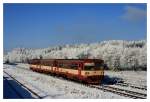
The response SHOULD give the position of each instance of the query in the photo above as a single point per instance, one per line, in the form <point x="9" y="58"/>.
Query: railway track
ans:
<point x="119" y="91"/>
<point x="132" y="86"/>
<point x="36" y="95"/>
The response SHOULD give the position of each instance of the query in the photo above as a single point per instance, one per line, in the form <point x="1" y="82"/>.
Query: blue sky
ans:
<point x="44" y="25"/>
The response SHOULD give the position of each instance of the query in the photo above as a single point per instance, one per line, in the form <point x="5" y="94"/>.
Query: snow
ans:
<point x="52" y="87"/>
<point x="135" y="77"/>
<point x="24" y="65"/>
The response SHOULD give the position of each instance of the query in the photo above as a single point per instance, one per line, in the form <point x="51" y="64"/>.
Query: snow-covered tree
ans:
<point x="117" y="54"/>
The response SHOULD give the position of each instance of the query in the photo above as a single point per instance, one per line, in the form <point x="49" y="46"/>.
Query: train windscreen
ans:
<point x="92" y="66"/>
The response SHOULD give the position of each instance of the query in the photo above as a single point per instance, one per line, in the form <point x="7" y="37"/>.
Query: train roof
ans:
<point x="77" y="60"/>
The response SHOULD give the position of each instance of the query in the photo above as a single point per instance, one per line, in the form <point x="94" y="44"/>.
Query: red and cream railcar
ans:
<point x="85" y="70"/>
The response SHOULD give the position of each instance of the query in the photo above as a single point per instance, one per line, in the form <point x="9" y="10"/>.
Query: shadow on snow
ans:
<point x="12" y="90"/>
<point x="107" y="80"/>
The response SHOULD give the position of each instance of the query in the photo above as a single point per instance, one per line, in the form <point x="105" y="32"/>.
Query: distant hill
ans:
<point x="117" y="54"/>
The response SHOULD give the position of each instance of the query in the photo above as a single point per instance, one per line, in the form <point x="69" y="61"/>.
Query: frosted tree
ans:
<point x="117" y="54"/>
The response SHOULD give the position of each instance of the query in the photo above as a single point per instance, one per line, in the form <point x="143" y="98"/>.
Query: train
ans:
<point x="89" y="71"/>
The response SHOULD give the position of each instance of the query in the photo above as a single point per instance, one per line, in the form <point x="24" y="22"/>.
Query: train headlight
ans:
<point x="86" y="73"/>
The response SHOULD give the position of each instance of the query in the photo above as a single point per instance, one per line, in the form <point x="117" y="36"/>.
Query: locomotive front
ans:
<point x="93" y="71"/>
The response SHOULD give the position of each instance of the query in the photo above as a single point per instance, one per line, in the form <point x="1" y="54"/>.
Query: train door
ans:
<point x="55" y="66"/>
<point x="79" y="69"/>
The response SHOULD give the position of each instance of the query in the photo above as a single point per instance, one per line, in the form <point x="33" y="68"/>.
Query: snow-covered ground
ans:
<point x="53" y="87"/>
<point x="134" y="77"/>
<point x="23" y="65"/>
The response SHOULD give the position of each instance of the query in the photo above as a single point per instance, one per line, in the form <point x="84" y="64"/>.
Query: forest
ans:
<point x="117" y="54"/>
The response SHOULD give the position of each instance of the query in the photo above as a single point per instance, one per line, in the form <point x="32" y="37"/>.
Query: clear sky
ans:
<point x="44" y="25"/>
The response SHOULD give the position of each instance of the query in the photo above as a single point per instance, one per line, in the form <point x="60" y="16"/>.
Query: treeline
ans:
<point x="117" y="54"/>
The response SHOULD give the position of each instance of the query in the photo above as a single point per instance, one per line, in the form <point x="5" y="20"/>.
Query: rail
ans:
<point x="119" y="91"/>
<point x="132" y="85"/>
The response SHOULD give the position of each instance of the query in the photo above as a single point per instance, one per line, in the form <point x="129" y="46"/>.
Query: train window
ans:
<point x="46" y="63"/>
<point x="65" y="66"/>
<point x="50" y="64"/>
<point x="93" y="66"/>
<point x="98" y="66"/>
<point x="74" y="66"/>
<point x="42" y="62"/>
<point x="89" y="68"/>
<point x="60" y="65"/>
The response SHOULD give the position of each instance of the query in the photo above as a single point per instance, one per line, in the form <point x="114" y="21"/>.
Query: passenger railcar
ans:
<point x="89" y="71"/>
